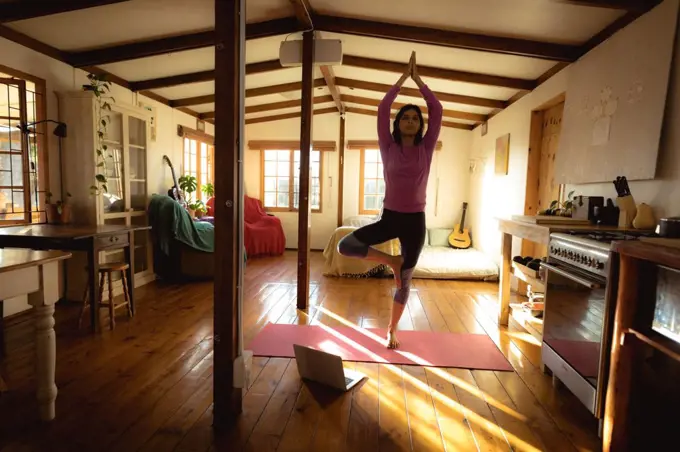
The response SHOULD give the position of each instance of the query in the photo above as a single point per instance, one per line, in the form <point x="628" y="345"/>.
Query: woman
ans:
<point x="406" y="155"/>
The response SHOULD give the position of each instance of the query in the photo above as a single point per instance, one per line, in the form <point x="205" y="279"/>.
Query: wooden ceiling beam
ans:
<point x="21" y="10"/>
<point x="411" y="92"/>
<point x="626" y="5"/>
<point x="446" y="38"/>
<point x="295" y="114"/>
<point x="374" y="113"/>
<point x="329" y="78"/>
<point x="444" y="74"/>
<point x="153" y="47"/>
<point x="202" y="76"/>
<point x="454" y="114"/>
<point x="303" y="12"/>
<point x="273" y="106"/>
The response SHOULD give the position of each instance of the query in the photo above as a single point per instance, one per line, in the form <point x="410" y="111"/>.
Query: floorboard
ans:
<point x="147" y="385"/>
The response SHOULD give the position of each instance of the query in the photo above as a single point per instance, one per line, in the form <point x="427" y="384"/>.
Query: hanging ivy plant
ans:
<point x="101" y="88"/>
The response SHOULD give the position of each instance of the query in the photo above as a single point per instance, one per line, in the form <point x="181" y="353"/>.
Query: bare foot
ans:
<point x="392" y="341"/>
<point x="397" y="264"/>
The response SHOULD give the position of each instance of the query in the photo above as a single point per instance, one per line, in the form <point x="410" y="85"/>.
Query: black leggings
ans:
<point x="409" y="228"/>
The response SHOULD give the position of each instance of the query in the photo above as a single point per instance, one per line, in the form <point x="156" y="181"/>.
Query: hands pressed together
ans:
<point x="411" y="71"/>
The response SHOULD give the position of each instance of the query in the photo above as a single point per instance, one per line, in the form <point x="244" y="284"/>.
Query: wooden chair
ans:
<point x="106" y="274"/>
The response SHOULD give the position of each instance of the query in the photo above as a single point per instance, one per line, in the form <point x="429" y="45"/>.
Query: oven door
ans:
<point x="574" y="320"/>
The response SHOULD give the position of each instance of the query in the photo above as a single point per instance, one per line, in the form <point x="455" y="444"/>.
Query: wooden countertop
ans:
<point x="66" y="231"/>
<point x="16" y="258"/>
<point x="540" y="233"/>
<point x="656" y="252"/>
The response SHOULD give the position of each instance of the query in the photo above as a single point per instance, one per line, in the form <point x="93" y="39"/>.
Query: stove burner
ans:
<point x="607" y="237"/>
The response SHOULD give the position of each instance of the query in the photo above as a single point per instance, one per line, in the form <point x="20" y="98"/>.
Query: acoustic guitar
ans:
<point x="176" y="193"/>
<point x="460" y="237"/>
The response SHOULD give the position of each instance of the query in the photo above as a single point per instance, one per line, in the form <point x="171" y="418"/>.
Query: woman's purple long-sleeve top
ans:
<point x="406" y="170"/>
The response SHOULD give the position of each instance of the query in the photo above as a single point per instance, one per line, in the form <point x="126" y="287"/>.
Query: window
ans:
<point x="281" y="182"/>
<point x="23" y="156"/>
<point x="372" y="188"/>
<point x="199" y="153"/>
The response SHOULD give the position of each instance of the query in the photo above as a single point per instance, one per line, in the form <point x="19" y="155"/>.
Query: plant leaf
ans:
<point x="100" y="164"/>
<point x="554" y="204"/>
<point x="100" y="178"/>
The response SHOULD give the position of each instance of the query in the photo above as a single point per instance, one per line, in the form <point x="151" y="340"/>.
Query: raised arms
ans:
<point x="385" y="108"/>
<point x="434" y="108"/>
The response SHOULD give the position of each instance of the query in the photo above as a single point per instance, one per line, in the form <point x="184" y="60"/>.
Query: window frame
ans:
<point x="362" y="181"/>
<point x="38" y="215"/>
<point x="291" y="185"/>
<point x="200" y="138"/>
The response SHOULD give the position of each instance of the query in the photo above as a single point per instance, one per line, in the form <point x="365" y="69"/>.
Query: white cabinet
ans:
<point x="125" y="167"/>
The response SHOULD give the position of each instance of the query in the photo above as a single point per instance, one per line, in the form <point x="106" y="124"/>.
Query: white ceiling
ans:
<point x="545" y="20"/>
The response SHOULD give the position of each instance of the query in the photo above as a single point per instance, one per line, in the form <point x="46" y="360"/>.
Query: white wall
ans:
<point x="500" y="196"/>
<point x="450" y="167"/>
<point x="61" y="77"/>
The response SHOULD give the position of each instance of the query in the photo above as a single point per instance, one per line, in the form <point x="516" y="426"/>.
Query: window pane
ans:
<point x="270" y="199"/>
<point x="370" y="186"/>
<point x="380" y="170"/>
<point x="381" y="186"/>
<point x="270" y="155"/>
<point x="270" y="168"/>
<point x="283" y="200"/>
<point x="371" y="170"/>
<point x="283" y="156"/>
<point x="283" y="169"/>
<point x="283" y="184"/>
<point x="370" y="203"/>
<point x="297" y="156"/>
<point x="316" y="156"/>
<point x="269" y="184"/>
<point x="371" y="155"/>
<point x="316" y="169"/>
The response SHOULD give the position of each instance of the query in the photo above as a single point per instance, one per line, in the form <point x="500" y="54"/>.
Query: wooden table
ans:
<point x="537" y="233"/>
<point x="36" y="273"/>
<point x="91" y="239"/>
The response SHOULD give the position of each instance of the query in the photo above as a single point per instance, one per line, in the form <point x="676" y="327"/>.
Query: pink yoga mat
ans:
<point x="420" y="348"/>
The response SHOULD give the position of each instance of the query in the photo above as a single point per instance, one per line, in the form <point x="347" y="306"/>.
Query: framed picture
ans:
<point x="502" y="154"/>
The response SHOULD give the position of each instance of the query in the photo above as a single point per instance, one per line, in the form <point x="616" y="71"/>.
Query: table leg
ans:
<point x="3" y="386"/>
<point x="130" y="272"/>
<point x="504" y="283"/>
<point x="93" y="282"/>
<point x="45" y="341"/>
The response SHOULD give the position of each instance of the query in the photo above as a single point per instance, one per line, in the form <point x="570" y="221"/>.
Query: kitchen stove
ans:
<point x="581" y="277"/>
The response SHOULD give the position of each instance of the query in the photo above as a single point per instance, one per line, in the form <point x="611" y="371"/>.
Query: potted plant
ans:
<point x="58" y="212"/>
<point x="199" y="208"/>
<point x="188" y="184"/>
<point x="101" y="88"/>
<point x="209" y="190"/>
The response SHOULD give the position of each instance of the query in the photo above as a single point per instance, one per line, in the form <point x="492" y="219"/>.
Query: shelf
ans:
<point x="137" y="180"/>
<point x="136" y="146"/>
<point x="531" y="324"/>
<point x="529" y="276"/>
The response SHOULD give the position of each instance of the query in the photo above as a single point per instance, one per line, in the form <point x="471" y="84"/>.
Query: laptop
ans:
<point x="325" y="368"/>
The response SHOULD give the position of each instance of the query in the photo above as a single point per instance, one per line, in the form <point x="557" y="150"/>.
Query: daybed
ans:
<point x="437" y="261"/>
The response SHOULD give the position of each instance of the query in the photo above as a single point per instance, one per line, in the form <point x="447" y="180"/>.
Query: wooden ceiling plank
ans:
<point x="446" y="38"/>
<point x="161" y="46"/>
<point x="303" y="12"/>
<point x="444" y="74"/>
<point x="626" y="5"/>
<point x="295" y="114"/>
<point x="374" y="113"/>
<point x="411" y="92"/>
<point x="397" y="105"/>
<point x="22" y="10"/>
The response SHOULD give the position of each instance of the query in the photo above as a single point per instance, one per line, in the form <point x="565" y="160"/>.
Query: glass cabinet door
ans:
<point x="114" y="200"/>
<point x="137" y="163"/>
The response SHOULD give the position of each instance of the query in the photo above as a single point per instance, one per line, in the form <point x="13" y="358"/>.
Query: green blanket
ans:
<point x="170" y="221"/>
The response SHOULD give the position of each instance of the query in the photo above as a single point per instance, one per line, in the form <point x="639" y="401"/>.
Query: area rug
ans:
<point x="418" y="348"/>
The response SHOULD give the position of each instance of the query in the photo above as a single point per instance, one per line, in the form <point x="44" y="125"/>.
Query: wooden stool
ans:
<point x="106" y="273"/>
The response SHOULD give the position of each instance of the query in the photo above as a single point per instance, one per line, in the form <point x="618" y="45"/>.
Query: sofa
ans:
<point x="182" y="248"/>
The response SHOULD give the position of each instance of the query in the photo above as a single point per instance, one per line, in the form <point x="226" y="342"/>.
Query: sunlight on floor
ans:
<point x="476" y="419"/>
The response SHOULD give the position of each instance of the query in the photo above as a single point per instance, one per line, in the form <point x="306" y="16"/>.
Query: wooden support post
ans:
<point x="304" y="217"/>
<point x="229" y="73"/>
<point x="504" y="283"/>
<point x="341" y="170"/>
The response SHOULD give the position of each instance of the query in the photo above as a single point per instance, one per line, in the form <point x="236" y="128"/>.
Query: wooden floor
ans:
<point x="148" y="384"/>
